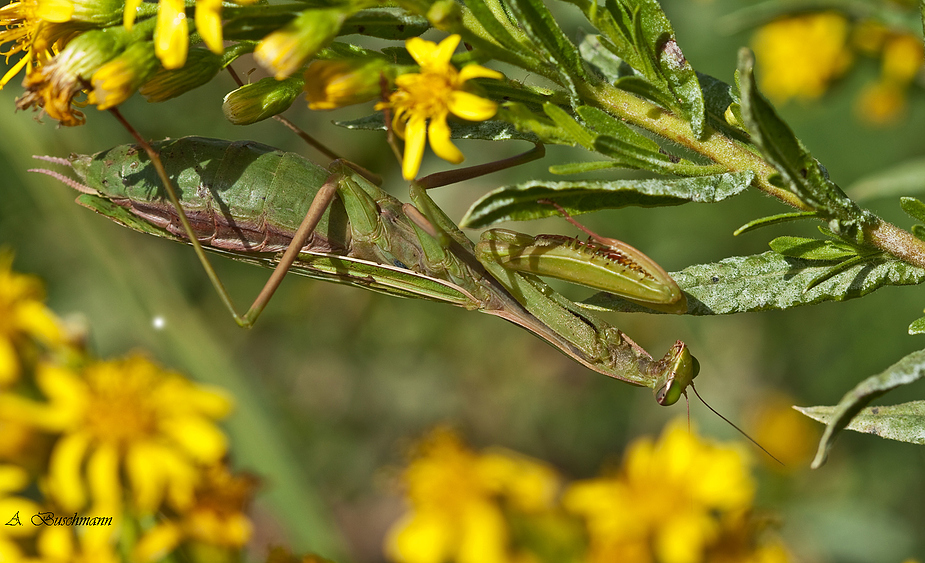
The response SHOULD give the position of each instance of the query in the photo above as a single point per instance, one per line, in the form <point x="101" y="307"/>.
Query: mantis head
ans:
<point x="678" y="370"/>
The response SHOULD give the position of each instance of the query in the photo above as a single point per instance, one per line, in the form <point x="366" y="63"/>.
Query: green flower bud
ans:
<point x="201" y="66"/>
<point x="262" y="99"/>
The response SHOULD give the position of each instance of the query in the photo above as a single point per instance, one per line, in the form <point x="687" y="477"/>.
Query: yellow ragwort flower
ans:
<point x="15" y="512"/>
<point x="216" y="516"/>
<point x="24" y="319"/>
<point x="456" y="498"/>
<point x="423" y="102"/>
<point x="668" y="502"/>
<point x="335" y="84"/>
<point x="93" y="544"/>
<point x="124" y="417"/>
<point x="171" y="36"/>
<point x="800" y="56"/>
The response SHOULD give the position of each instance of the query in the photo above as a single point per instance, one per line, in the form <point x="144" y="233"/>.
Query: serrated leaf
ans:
<point x="799" y="172"/>
<point x="913" y="208"/>
<point x="812" y="249"/>
<point x="519" y="202"/>
<point x="905" y="178"/>
<point x="491" y="130"/>
<point x="904" y="422"/>
<point x="770" y="282"/>
<point x="905" y="371"/>
<point x="917" y="326"/>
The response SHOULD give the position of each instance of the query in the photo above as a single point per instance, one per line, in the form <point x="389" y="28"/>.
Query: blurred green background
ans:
<point x="334" y="383"/>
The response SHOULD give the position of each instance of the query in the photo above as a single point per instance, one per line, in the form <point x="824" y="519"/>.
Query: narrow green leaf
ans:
<point x="519" y="202"/>
<point x="919" y="231"/>
<point x="543" y="30"/>
<point x="586" y="166"/>
<point x="634" y="156"/>
<point x="798" y="170"/>
<point x="905" y="178"/>
<point x="812" y="249"/>
<point x="917" y="326"/>
<point x="385" y="23"/>
<point x="906" y="371"/>
<point x="770" y="282"/>
<point x="492" y="130"/>
<point x="491" y="21"/>
<point x="913" y="208"/>
<point x="904" y="422"/>
<point x="574" y="130"/>
<point x="774" y="220"/>
<point x="605" y="124"/>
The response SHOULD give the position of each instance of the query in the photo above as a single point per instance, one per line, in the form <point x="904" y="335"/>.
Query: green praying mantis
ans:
<point x="260" y="205"/>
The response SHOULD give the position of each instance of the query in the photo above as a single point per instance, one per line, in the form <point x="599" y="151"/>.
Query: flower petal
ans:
<point x="197" y="437"/>
<point x="103" y="475"/>
<point x="208" y="20"/>
<point x="158" y="542"/>
<point x="471" y="107"/>
<point x="171" y="37"/>
<point x="65" y="481"/>
<point x="415" y="139"/>
<point x="439" y="133"/>
<point x="478" y="71"/>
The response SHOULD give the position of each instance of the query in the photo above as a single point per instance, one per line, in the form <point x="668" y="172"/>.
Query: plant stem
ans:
<point x="738" y="158"/>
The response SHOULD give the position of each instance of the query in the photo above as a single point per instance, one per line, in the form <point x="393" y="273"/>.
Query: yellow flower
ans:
<point x="54" y="86"/>
<point x="15" y="512"/>
<point x="800" y="56"/>
<point x="118" y="79"/>
<point x="125" y="417"/>
<point x="782" y="430"/>
<point x="286" y="50"/>
<point x="457" y="498"/>
<point x="94" y="544"/>
<point x="668" y="502"/>
<point x="208" y="20"/>
<point x="335" y="84"/>
<point x="23" y="317"/>
<point x="902" y="58"/>
<point x="171" y="36"/>
<point x="423" y="102"/>
<point x="216" y="516"/>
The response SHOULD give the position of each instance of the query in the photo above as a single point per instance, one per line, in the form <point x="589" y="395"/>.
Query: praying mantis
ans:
<point x="253" y="202"/>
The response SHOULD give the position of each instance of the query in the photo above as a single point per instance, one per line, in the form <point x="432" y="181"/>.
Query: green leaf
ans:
<point x="569" y="126"/>
<point x="812" y="249"/>
<point x="491" y="21"/>
<point x="904" y="422"/>
<point x="585" y="166"/>
<point x="919" y="231"/>
<point x="491" y="130"/>
<point x="770" y="282"/>
<point x="799" y="171"/>
<point x="542" y="28"/>
<point x="519" y="202"/>
<point x="913" y="208"/>
<point x="605" y="124"/>
<point x="773" y="220"/>
<point x="917" y="326"/>
<point x="385" y="23"/>
<point x="904" y="179"/>
<point x="905" y="371"/>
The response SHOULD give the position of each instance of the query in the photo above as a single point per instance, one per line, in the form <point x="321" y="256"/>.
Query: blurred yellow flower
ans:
<point x="171" y="36"/>
<point x="782" y="430"/>
<point x="125" y="417"/>
<point x="23" y="317"/>
<point x="423" y="102"/>
<point x="667" y="504"/>
<point x="15" y="512"/>
<point x="458" y="500"/>
<point x="285" y="51"/>
<point x="800" y="56"/>
<point x="216" y="516"/>
<point x="94" y="544"/>
<point x="335" y="84"/>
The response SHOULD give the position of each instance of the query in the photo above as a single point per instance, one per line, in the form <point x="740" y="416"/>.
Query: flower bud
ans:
<point x="283" y="52"/>
<point x="262" y="99"/>
<point x="103" y="13"/>
<point x="117" y="80"/>
<point x="201" y="67"/>
<point x="335" y="84"/>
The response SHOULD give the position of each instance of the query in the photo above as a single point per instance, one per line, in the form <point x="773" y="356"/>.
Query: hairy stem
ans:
<point x="737" y="158"/>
